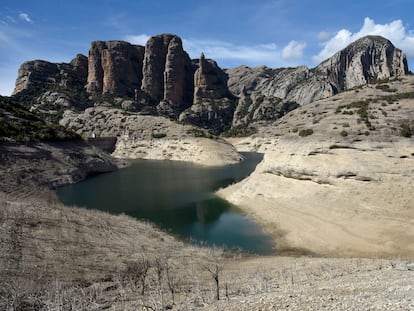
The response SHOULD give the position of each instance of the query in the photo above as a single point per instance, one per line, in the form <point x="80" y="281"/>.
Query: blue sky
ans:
<point x="276" y="33"/>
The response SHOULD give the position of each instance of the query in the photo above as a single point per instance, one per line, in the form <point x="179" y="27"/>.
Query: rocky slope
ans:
<point x="151" y="137"/>
<point x="161" y="79"/>
<point x="337" y="174"/>
<point x="366" y="60"/>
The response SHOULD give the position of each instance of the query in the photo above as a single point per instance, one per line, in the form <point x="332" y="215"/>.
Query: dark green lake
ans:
<point x="178" y="197"/>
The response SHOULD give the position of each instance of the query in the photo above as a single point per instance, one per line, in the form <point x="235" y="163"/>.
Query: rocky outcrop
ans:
<point x="167" y="74"/>
<point x="39" y="74"/>
<point x="161" y="79"/>
<point x="255" y="107"/>
<point x="210" y="82"/>
<point x="114" y="67"/>
<point x="213" y="104"/>
<point x="368" y="59"/>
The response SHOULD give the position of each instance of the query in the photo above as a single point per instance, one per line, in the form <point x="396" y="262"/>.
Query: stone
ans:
<point x="210" y="82"/>
<point x="114" y="67"/>
<point x="368" y="59"/>
<point x="38" y="75"/>
<point x="213" y="105"/>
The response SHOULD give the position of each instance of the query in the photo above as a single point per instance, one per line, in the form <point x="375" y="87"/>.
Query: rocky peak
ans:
<point x="210" y="81"/>
<point x="114" y="67"/>
<point x="80" y="65"/>
<point x="39" y="74"/>
<point x="367" y="59"/>
<point x="213" y="104"/>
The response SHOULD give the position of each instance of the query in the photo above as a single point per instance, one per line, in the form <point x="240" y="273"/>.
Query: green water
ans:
<point x="178" y="197"/>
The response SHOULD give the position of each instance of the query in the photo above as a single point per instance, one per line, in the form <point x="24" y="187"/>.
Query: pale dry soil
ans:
<point x="333" y="197"/>
<point x="344" y="190"/>
<point x="152" y="137"/>
<point x="326" y="195"/>
<point x="202" y="151"/>
<point x="59" y="258"/>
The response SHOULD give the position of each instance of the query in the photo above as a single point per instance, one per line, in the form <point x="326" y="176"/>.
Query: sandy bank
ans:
<point x="330" y="197"/>
<point x="204" y="151"/>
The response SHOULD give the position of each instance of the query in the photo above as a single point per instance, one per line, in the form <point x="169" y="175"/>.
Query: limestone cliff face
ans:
<point x="210" y="82"/>
<point x="256" y="107"/>
<point x="114" y="67"/>
<point x="367" y="59"/>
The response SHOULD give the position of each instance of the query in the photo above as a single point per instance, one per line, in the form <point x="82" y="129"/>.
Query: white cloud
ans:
<point x="25" y="17"/>
<point x="220" y="50"/>
<point x="323" y="35"/>
<point x="394" y="31"/>
<point x="229" y="54"/>
<point x="137" y="39"/>
<point x="293" y="51"/>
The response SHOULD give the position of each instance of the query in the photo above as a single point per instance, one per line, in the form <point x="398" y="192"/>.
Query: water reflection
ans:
<point x="178" y="197"/>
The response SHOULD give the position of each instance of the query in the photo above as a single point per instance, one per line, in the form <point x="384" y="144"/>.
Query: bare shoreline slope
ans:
<point x="343" y="190"/>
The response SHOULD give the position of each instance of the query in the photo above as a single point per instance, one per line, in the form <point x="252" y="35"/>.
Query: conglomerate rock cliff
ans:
<point x="42" y="74"/>
<point x="160" y="78"/>
<point x="213" y="104"/>
<point x="114" y="67"/>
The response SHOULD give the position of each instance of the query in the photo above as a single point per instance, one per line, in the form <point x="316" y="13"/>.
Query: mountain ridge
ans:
<point x="161" y="79"/>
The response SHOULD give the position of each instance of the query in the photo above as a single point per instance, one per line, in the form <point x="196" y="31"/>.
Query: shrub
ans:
<point x="305" y="132"/>
<point x="158" y="135"/>
<point x="343" y="133"/>
<point x="406" y="130"/>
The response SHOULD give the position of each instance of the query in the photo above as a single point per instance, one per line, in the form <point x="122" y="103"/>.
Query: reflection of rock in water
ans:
<point x="209" y="211"/>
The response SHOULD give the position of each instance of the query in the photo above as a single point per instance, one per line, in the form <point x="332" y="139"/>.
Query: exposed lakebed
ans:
<point x="178" y="197"/>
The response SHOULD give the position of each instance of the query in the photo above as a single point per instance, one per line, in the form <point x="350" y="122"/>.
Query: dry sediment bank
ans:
<point x="330" y="198"/>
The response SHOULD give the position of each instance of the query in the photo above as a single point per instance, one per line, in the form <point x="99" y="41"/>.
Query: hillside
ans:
<point x="160" y="79"/>
<point x="337" y="174"/>
<point x="334" y="188"/>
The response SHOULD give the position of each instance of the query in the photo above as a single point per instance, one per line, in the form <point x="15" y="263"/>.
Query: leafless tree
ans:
<point x="137" y="271"/>
<point x="214" y="266"/>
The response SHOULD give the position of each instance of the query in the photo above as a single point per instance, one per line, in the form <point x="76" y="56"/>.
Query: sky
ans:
<point x="275" y="33"/>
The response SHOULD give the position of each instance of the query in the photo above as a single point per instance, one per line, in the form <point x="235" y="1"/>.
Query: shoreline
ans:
<point x="83" y="254"/>
<point x="201" y="151"/>
<point x="298" y="195"/>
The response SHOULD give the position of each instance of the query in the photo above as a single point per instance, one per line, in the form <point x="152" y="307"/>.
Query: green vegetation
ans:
<point x="158" y="135"/>
<point x="396" y="97"/>
<point x="343" y="133"/>
<point x="242" y="130"/>
<point x="385" y="88"/>
<point x="19" y="124"/>
<point x="305" y="132"/>
<point x="406" y="130"/>
<point x="362" y="111"/>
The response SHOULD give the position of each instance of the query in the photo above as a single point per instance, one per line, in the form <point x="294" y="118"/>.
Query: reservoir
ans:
<point x="178" y="197"/>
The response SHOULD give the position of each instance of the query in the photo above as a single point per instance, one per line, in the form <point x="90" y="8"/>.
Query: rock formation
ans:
<point x="161" y="79"/>
<point x="114" y="67"/>
<point x="367" y="59"/>
<point x="213" y="105"/>
<point x="40" y="74"/>
<point x="167" y="74"/>
<point x="255" y="107"/>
